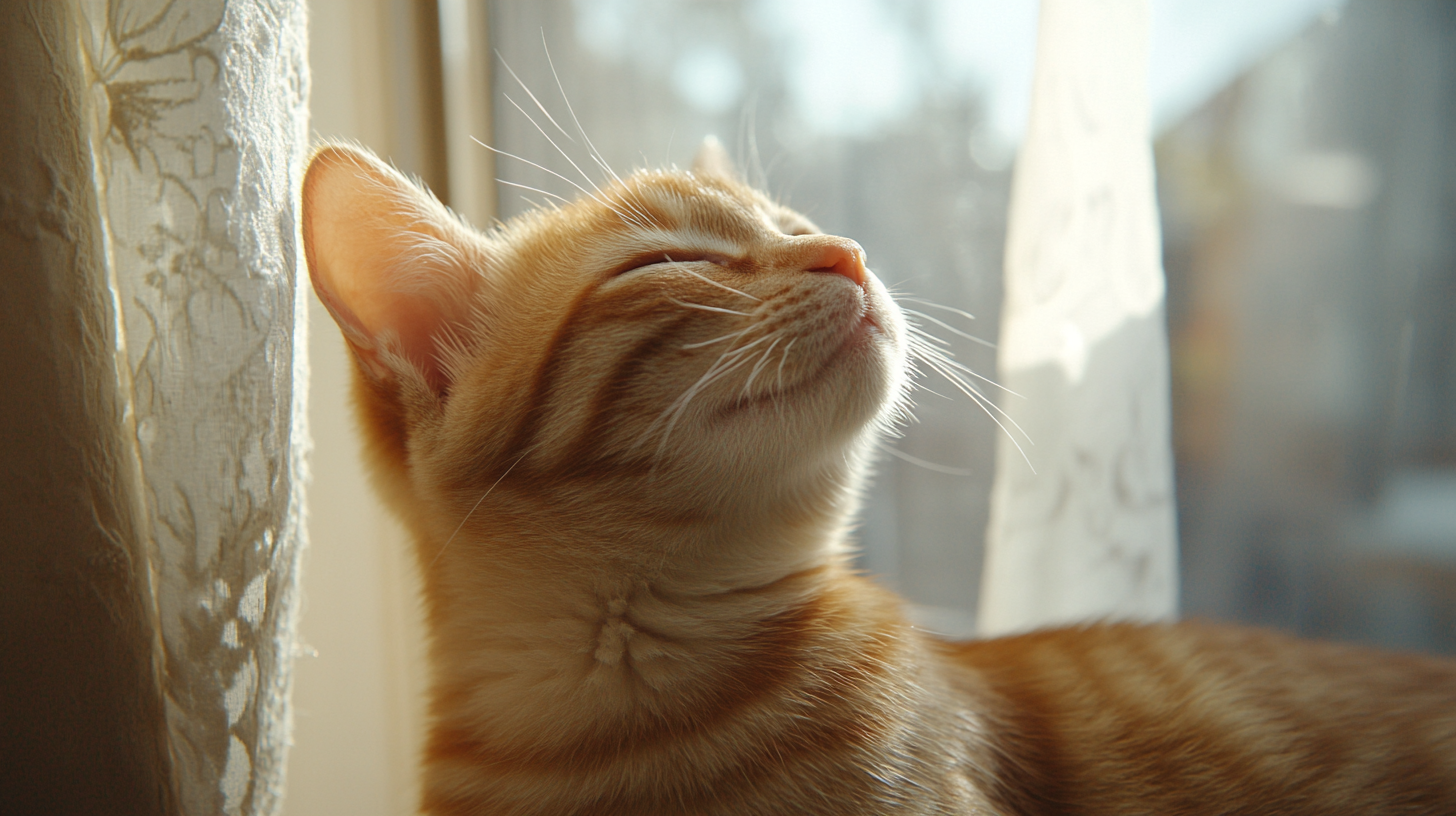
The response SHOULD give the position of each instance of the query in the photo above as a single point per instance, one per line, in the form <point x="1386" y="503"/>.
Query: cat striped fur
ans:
<point x="628" y="436"/>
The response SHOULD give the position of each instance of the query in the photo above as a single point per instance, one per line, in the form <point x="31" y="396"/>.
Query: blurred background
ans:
<point x="1309" y="228"/>
<point x="1306" y="161"/>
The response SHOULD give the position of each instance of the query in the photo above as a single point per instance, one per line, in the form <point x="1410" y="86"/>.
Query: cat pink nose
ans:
<point x="839" y="256"/>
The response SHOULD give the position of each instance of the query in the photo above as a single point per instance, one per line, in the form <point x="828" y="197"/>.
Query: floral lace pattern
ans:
<point x="198" y="139"/>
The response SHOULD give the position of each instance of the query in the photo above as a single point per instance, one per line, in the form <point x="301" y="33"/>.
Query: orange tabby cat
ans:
<point x="628" y="436"/>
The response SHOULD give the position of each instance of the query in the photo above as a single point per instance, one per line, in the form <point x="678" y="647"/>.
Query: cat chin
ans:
<point x="852" y="354"/>
<point x="851" y="389"/>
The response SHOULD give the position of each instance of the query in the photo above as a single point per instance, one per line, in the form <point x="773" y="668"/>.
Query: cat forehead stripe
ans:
<point x="675" y="205"/>
<point x="684" y="238"/>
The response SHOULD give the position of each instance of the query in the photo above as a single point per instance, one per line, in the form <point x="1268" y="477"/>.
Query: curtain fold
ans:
<point x="1082" y="522"/>
<point x="81" y="717"/>
<point x="165" y="142"/>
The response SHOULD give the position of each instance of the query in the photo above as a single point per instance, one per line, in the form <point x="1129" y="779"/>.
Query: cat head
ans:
<point x="674" y="342"/>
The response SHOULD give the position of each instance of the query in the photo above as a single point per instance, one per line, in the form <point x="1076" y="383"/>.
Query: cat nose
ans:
<point x="839" y="256"/>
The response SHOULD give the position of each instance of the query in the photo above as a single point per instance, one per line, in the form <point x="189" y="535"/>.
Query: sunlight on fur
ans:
<point x="629" y="435"/>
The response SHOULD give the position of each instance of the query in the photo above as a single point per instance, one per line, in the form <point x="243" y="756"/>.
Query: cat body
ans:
<point x="628" y="436"/>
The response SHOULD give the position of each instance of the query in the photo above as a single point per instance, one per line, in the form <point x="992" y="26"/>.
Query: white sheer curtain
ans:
<point x="1083" y="521"/>
<point x="154" y="147"/>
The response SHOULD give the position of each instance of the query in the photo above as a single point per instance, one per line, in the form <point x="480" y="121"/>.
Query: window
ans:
<point x="1304" y="157"/>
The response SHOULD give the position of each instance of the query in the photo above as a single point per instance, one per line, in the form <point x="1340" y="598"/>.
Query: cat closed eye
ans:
<point x="659" y="258"/>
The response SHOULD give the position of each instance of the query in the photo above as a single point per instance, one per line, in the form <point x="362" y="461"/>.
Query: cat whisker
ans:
<point x="562" y="199"/>
<point x="931" y="391"/>
<point x="591" y="148"/>
<point x="928" y="465"/>
<point x="941" y="342"/>
<point x="679" y="407"/>
<point x="757" y="367"/>
<point x="948" y="327"/>
<point x="683" y="268"/>
<point x="784" y="358"/>
<point x="727" y="362"/>
<point x="778" y="394"/>
<point x="686" y="395"/>
<point x="583" y="190"/>
<point x="733" y="356"/>
<point x="755" y="159"/>
<point x="944" y="356"/>
<point x="728" y="336"/>
<point x="988" y="406"/>
<point x="636" y="218"/>
<point x="741" y="349"/>
<point x="940" y="363"/>
<point x="632" y="201"/>
<point x="629" y="199"/>
<point x="541" y="107"/>
<point x="934" y="305"/>
<point x="708" y="308"/>
<point x="527" y="89"/>
<point x="596" y="155"/>
<point x="475" y="507"/>
<point x="553" y="143"/>
<point x="916" y="380"/>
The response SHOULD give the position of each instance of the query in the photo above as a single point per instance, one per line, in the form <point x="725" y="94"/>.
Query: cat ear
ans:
<point x="396" y="270"/>
<point x="713" y="160"/>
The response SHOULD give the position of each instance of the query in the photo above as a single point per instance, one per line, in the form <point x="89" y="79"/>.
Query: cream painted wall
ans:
<point x="357" y="688"/>
<point x="358" y="693"/>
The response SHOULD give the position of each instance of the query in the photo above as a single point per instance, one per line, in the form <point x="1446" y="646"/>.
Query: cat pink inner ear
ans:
<point x="390" y="263"/>
<point x="712" y="160"/>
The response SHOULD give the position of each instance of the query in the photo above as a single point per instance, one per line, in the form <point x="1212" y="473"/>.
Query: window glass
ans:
<point x="1308" y="213"/>
<point x="1306" y="179"/>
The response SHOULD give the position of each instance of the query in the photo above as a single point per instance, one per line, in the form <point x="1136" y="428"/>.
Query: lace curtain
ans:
<point x="1083" y="521"/>
<point x="153" y="148"/>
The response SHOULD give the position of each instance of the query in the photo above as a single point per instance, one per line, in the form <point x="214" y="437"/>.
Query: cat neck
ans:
<point x="587" y="561"/>
<point x="674" y="534"/>
<point x="645" y="614"/>
<point x="583" y="688"/>
<point x="612" y="600"/>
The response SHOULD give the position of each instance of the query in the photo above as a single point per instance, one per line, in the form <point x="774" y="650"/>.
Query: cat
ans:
<point x="628" y="436"/>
